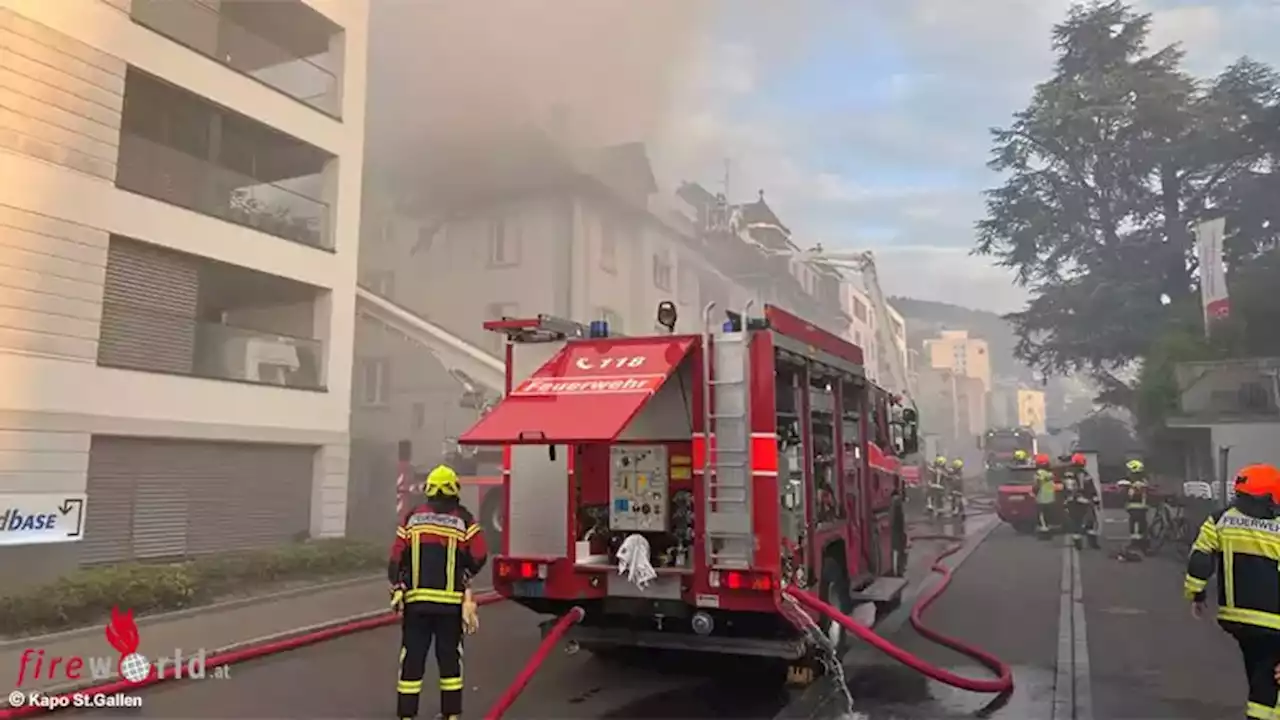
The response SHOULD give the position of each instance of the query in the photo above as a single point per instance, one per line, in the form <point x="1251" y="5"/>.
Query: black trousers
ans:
<point x="1261" y="653"/>
<point x="423" y="623"/>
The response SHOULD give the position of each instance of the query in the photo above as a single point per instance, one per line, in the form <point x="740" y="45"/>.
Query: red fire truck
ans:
<point x="750" y="457"/>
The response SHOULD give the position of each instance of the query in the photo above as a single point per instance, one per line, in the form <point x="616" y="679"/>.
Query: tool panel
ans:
<point x="638" y="488"/>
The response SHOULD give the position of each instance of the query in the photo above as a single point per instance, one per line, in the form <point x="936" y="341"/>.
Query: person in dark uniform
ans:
<point x="1242" y="546"/>
<point x="1080" y="500"/>
<point x="439" y="547"/>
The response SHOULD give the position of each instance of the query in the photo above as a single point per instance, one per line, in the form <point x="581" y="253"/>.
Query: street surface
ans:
<point x="1138" y="655"/>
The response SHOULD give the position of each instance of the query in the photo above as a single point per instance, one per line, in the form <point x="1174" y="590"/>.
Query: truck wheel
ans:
<point x="492" y="517"/>
<point x="833" y="589"/>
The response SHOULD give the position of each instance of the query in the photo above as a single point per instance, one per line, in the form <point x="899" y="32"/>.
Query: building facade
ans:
<point x="574" y="244"/>
<point x="955" y="350"/>
<point x="178" y="265"/>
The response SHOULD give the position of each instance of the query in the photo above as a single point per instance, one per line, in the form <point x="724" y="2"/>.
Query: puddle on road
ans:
<point x="895" y="692"/>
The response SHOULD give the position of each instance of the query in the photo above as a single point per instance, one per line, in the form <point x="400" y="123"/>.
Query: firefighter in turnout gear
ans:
<point x="439" y="547"/>
<point x="1080" y="501"/>
<point x="1134" y="485"/>
<point x="1046" y="497"/>
<point x="1242" y="545"/>
<point x="935" y="492"/>
<point x="954" y="486"/>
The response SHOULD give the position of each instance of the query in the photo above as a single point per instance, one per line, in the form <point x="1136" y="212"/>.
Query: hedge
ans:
<point x="87" y="596"/>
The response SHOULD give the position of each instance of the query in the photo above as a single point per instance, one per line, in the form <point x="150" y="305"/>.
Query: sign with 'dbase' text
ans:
<point x="40" y="518"/>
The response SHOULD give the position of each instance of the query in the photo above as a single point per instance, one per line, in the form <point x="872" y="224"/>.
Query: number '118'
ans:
<point x="622" y="362"/>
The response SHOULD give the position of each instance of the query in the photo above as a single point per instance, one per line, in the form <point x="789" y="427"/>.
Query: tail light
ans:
<point x="511" y="570"/>
<point x="740" y="580"/>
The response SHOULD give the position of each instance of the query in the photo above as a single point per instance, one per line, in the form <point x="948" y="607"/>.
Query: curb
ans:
<point x="217" y="658"/>
<point x="145" y="620"/>
<point x="810" y="700"/>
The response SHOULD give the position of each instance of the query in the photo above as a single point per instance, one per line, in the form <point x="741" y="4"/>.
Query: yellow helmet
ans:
<point x="1134" y="466"/>
<point x="442" y="481"/>
<point x="957" y="463"/>
<point x="940" y="461"/>
<point x="1021" y="455"/>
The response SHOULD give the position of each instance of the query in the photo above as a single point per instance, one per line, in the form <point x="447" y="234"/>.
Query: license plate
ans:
<point x="529" y="588"/>
<point x="1016" y="498"/>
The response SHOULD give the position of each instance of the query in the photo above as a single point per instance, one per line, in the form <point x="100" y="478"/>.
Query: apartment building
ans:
<point x="861" y="330"/>
<point x="582" y="238"/>
<point x="178" y="252"/>
<point x="955" y="350"/>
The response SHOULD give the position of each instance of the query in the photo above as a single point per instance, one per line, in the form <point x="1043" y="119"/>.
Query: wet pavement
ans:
<point x="354" y="677"/>
<point x="1141" y="657"/>
<point x="1004" y="598"/>
<point x="1149" y="658"/>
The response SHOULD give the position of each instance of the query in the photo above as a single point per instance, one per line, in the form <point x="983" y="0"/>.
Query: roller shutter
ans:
<point x="153" y="498"/>
<point x="148" y="308"/>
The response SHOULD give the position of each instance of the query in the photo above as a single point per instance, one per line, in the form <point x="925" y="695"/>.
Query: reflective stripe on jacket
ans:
<point x="438" y="549"/>
<point x="1242" y="545"/>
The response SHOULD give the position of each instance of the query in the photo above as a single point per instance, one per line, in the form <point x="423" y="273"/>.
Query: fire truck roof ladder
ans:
<point x="543" y="328"/>
<point x="726" y="370"/>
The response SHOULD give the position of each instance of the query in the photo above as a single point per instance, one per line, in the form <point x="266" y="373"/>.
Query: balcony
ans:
<point x="179" y="149"/>
<point x="169" y="312"/>
<point x="283" y="44"/>
<point x="1244" y="390"/>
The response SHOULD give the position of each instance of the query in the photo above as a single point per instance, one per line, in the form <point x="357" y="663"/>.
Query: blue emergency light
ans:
<point x="598" y="329"/>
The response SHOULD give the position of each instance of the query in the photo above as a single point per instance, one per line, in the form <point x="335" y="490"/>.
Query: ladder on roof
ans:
<point x="726" y="472"/>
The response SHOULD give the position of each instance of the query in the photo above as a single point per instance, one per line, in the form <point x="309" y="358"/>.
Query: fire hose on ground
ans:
<point x="517" y="686"/>
<point x="63" y="701"/>
<point x="1002" y="683"/>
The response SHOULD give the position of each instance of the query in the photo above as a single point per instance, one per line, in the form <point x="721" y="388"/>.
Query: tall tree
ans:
<point x="1106" y="168"/>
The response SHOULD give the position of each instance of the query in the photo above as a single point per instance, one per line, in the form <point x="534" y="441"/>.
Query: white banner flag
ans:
<point x="1213" y="276"/>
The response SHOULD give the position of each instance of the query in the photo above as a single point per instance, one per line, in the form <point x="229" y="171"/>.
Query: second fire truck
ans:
<point x="749" y="457"/>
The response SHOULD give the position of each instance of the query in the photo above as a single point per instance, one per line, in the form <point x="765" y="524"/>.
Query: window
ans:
<point x="662" y="271"/>
<point x="859" y="309"/>
<point x="382" y="283"/>
<point x="419" y="415"/>
<point x="686" y="284"/>
<point x="427" y="237"/>
<point x="608" y="246"/>
<point x="504" y="243"/>
<point x="374" y="381"/>
<point x="613" y="319"/>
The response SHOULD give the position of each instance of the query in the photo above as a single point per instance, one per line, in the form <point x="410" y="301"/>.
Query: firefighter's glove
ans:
<point x="470" y="614"/>
<point x="397" y="598"/>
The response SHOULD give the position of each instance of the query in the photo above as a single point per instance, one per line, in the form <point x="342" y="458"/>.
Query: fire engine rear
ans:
<point x="714" y="468"/>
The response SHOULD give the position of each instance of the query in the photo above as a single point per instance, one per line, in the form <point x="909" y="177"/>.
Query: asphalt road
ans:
<point x="1149" y="658"/>
<point x="1004" y="598"/>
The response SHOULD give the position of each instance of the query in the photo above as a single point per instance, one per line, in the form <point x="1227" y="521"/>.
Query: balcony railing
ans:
<point x="161" y="172"/>
<point x="1246" y="387"/>
<point x="211" y="33"/>
<point x="234" y="353"/>
<point x="137" y="337"/>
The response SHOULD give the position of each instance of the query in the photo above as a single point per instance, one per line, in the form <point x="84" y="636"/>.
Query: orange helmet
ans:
<point x="1259" y="480"/>
<point x="1042" y="460"/>
<point x="1079" y="460"/>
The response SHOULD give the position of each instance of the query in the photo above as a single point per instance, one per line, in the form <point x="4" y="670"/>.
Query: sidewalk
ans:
<point x="210" y="630"/>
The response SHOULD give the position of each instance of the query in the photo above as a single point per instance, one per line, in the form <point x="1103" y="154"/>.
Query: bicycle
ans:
<point x="1169" y="523"/>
